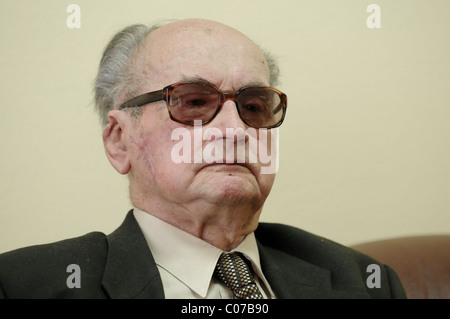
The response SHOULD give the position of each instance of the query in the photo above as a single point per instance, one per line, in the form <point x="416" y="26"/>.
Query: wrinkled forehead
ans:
<point x="208" y="50"/>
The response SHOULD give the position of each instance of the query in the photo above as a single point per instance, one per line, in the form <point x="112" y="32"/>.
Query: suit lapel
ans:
<point x="130" y="270"/>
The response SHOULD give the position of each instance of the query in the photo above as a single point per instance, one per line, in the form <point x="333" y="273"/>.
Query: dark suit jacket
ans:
<point x="297" y="264"/>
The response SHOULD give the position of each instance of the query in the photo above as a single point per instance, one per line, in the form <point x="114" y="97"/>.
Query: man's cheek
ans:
<point x="265" y="183"/>
<point x="263" y="146"/>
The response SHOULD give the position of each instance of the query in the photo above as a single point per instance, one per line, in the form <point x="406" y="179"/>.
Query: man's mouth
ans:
<point x="230" y="167"/>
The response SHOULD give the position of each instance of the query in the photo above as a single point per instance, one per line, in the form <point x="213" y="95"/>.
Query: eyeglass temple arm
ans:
<point x="143" y="99"/>
<point x="280" y="106"/>
<point x="277" y="109"/>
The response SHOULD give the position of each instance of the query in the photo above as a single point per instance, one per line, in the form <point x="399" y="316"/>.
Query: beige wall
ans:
<point x="365" y="149"/>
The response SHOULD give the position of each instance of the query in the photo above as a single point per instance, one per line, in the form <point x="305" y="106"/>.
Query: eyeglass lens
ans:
<point x="258" y="107"/>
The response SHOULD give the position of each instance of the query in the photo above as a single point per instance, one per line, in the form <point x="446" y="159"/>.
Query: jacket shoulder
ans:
<point x="348" y="269"/>
<point x="42" y="271"/>
<point x="297" y="241"/>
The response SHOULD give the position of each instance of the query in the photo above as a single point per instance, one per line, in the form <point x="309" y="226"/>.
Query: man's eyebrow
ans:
<point x="194" y="79"/>
<point x="199" y="79"/>
<point x="256" y="84"/>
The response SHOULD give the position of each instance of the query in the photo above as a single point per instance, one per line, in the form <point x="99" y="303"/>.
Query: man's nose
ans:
<point x="228" y="117"/>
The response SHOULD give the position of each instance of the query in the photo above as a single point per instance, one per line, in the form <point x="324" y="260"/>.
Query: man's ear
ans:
<point x="113" y="140"/>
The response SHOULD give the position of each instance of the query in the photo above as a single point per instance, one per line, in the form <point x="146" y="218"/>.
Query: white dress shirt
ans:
<point x="186" y="263"/>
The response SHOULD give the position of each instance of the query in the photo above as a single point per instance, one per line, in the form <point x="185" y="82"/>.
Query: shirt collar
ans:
<point x="190" y="259"/>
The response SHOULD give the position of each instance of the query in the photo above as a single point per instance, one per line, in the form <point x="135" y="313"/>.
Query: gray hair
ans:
<point x="114" y="73"/>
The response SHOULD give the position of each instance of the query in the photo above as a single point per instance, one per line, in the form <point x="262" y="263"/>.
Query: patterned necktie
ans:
<point x="232" y="270"/>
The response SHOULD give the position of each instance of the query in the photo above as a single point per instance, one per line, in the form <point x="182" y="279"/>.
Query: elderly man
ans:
<point x="194" y="231"/>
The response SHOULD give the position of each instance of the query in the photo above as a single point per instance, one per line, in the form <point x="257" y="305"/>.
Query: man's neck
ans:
<point x="224" y="227"/>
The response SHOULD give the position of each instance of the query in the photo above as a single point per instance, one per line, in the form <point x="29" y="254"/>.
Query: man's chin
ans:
<point x="232" y="188"/>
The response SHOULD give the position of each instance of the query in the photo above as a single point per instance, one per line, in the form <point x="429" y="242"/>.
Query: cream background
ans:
<point x="365" y="149"/>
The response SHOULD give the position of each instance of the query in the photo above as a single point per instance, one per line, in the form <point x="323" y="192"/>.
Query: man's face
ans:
<point x="229" y="61"/>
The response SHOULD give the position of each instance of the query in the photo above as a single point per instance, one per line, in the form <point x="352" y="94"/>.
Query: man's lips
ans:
<point x="230" y="167"/>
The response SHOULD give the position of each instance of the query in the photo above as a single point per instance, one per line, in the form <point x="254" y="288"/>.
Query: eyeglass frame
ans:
<point x="166" y="92"/>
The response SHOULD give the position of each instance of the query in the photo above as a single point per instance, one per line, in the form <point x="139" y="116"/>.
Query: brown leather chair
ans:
<point x="421" y="262"/>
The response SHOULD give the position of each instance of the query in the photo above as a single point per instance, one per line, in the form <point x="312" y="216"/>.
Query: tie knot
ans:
<point x="232" y="270"/>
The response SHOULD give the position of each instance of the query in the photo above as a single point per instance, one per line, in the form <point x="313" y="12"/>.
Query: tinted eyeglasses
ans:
<point x="258" y="107"/>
